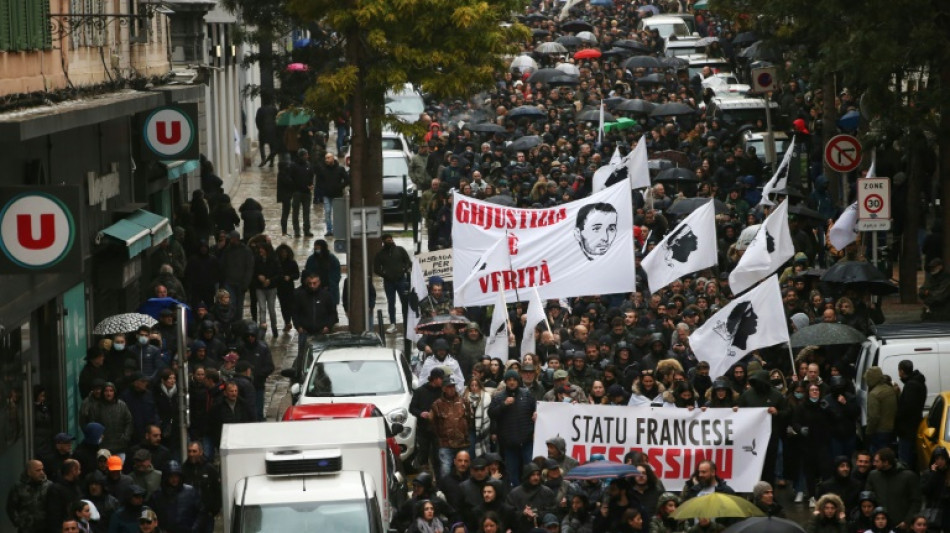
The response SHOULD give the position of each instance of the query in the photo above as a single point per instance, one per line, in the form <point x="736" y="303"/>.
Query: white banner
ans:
<point x="437" y="263"/>
<point x="675" y="440"/>
<point x="576" y="249"/>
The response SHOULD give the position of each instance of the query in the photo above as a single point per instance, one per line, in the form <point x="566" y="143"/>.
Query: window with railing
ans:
<point x="24" y="25"/>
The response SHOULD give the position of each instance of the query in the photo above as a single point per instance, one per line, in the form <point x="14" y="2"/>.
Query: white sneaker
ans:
<point x="811" y="503"/>
<point x="799" y="497"/>
<point x="391" y="328"/>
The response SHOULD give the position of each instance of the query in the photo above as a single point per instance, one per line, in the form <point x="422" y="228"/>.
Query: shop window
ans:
<point x="12" y="422"/>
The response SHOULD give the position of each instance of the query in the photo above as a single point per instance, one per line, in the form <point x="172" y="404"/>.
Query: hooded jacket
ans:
<point x="117" y="420"/>
<point x="898" y="490"/>
<point x="910" y="405"/>
<point x="762" y="394"/>
<point x="87" y="450"/>
<point x="820" y="524"/>
<point x="177" y="507"/>
<point x="882" y="402"/>
<point x="565" y="461"/>
<point x="538" y="497"/>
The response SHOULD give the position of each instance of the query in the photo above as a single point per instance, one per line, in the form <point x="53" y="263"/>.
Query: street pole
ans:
<point x="769" y="136"/>
<point x="366" y="315"/>
<point x="182" y="382"/>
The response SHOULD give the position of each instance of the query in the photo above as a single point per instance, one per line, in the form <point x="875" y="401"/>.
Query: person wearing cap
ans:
<point x="529" y="379"/>
<point x="237" y="268"/>
<point x="421" y="407"/>
<point x="116" y="482"/>
<point x="144" y="473"/>
<point x="553" y="476"/>
<point x="27" y="499"/>
<point x="62" y="451"/>
<point x="560" y="378"/>
<point x="513" y="411"/>
<point x="94" y="369"/>
<point x="451" y="415"/>
<point x="126" y="519"/>
<point x="148" y="522"/>
<point x="935" y="293"/>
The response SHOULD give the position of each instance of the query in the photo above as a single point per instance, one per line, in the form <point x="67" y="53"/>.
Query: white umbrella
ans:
<point x="123" y="323"/>
<point x="524" y="64"/>
<point x="551" y="48"/>
<point x="569" y="68"/>
<point x="587" y="36"/>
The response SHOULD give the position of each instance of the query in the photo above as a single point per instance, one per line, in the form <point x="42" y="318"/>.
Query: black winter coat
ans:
<point x="513" y="423"/>
<point x="910" y="405"/>
<point x="314" y="310"/>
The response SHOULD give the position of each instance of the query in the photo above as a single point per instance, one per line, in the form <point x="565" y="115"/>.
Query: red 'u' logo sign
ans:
<point x="161" y="128"/>
<point x="24" y="231"/>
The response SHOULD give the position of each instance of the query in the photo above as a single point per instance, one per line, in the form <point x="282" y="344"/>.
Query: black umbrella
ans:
<point x="436" y="323"/>
<point x="816" y="273"/>
<point x="540" y="33"/>
<point x="859" y="275"/>
<point x="534" y="17"/>
<point x="544" y="75"/>
<point x="764" y="524"/>
<point x="485" y="127"/>
<point x="636" y="46"/>
<point x="674" y="62"/>
<point x="677" y="175"/>
<point x="575" y="26"/>
<point x="651" y="79"/>
<point x="672" y="109"/>
<point x="680" y="158"/>
<point x="641" y="62"/>
<point x="525" y="111"/>
<point x="563" y="80"/>
<point x="617" y="52"/>
<point x="744" y="38"/>
<point x="524" y="143"/>
<point x="760" y="50"/>
<point x="593" y="115"/>
<point x="569" y="41"/>
<point x="501" y="199"/>
<point x="636" y="105"/>
<point x="791" y="192"/>
<point x="686" y="206"/>
<point x="613" y="102"/>
<point x="826" y="334"/>
<point x="802" y="211"/>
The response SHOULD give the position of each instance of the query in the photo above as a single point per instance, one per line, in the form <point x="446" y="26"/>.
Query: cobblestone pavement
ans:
<point x="261" y="184"/>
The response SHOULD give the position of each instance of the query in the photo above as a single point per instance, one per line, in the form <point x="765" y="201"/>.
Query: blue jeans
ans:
<point x="393" y="288"/>
<point x="341" y="134"/>
<point x="328" y="213"/>
<point x="516" y="457"/>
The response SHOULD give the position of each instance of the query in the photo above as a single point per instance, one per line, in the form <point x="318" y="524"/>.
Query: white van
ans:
<point x="665" y="25"/>
<point x="926" y="345"/>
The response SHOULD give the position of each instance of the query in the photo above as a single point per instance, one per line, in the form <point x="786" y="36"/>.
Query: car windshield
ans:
<point x="680" y="30"/>
<point x="395" y="166"/>
<point x="344" y="516"/>
<point x="392" y="143"/>
<point x="780" y="146"/>
<point x="409" y="104"/>
<point x="355" y="378"/>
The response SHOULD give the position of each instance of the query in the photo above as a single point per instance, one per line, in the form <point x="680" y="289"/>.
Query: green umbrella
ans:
<point x="622" y="123"/>
<point x="716" y="505"/>
<point x="701" y="4"/>
<point x="294" y="117"/>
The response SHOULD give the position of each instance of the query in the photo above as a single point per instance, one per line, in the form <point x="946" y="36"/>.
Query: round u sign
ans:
<point x="169" y="132"/>
<point x="36" y="230"/>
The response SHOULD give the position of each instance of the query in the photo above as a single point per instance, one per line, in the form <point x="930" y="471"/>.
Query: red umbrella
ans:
<point x="297" y="67"/>
<point x="587" y="53"/>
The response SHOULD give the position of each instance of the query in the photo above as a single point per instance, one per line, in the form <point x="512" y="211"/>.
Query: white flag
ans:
<point x="691" y="246"/>
<point x="769" y="250"/>
<point x="780" y="178"/>
<point x="496" y="341"/>
<point x="752" y="321"/>
<point x="600" y="128"/>
<point x="845" y="230"/>
<point x="634" y="166"/>
<point x="495" y="259"/>
<point x="535" y="315"/>
<point x="418" y="291"/>
<point x="616" y="157"/>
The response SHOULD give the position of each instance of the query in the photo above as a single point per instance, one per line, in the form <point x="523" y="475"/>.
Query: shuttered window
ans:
<point x="24" y="25"/>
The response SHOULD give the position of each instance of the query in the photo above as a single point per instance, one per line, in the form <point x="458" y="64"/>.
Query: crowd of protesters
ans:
<point x="476" y="414"/>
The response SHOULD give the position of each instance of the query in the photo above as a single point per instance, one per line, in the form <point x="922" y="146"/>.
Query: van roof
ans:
<point x="308" y="433"/>
<point x="911" y="331"/>
<point x="343" y="486"/>
<point x="723" y="102"/>
<point x="363" y="353"/>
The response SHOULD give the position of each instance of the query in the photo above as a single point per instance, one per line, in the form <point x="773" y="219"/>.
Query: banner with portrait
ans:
<point x="674" y="440"/>
<point x="580" y="248"/>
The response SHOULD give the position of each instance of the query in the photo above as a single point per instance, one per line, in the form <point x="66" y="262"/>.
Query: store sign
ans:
<point x="39" y="229"/>
<point x="103" y="186"/>
<point x="171" y="132"/>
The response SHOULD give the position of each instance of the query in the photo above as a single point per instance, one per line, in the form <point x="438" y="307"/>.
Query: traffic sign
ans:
<point x="873" y="224"/>
<point x="171" y="132"/>
<point x="38" y="229"/>
<point x="843" y="153"/>
<point x="874" y="198"/>
<point x="764" y="80"/>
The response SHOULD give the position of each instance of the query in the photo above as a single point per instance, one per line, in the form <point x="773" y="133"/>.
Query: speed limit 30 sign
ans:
<point x="874" y="201"/>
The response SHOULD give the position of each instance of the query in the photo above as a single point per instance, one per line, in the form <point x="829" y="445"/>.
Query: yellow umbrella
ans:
<point x="717" y="505"/>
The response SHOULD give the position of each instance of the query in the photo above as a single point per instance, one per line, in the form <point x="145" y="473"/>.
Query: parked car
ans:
<point x="360" y="374"/>
<point x="395" y="176"/>
<point x="407" y="105"/>
<point x="756" y="139"/>
<point x="934" y="430"/>
<point x="665" y="25"/>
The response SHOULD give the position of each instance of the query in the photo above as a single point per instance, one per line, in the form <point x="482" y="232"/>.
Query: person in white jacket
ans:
<point x="440" y="358"/>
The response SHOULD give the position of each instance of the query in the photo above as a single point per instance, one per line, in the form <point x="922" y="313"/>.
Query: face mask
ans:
<point x="119" y="346"/>
<point x="799" y="395"/>
<point x="143" y="340"/>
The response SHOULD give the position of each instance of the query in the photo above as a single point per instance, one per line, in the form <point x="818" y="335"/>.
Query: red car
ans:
<point x="345" y="410"/>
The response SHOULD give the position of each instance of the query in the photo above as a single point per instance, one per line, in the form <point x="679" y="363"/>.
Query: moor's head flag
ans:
<point x="688" y="247"/>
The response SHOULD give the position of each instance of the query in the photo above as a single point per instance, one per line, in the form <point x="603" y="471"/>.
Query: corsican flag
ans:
<point x="495" y="259"/>
<point x="780" y="178"/>
<point x="418" y="291"/>
<point x="633" y="166"/>
<point x="752" y="321"/>
<point x="691" y="246"/>
<point x="769" y="250"/>
<point x="535" y="315"/>
<point x="496" y="341"/>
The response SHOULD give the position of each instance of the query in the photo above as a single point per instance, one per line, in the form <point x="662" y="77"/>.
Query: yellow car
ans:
<point x="934" y="430"/>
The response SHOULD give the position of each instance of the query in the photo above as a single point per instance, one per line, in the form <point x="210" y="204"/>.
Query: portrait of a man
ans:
<point x="595" y="229"/>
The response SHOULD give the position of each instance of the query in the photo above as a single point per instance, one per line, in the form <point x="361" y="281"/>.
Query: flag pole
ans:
<point x="791" y="356"/>
<point x="538" y="299"/>
<point x="504" y="303"/>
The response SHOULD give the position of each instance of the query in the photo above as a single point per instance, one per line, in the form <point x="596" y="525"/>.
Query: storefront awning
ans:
<point x="135" y="238"/>
<point x="157" y="225"/>
<point x="176" y="169"/>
